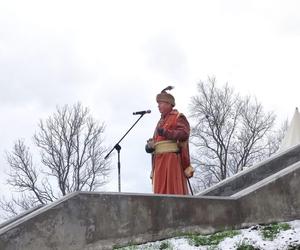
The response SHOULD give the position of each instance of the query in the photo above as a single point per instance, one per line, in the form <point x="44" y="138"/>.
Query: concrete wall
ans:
<point x="256" y="173"/>
<point x="274" y="199"/>
<point x="20" y="216"/>
<point x="101" y="220"/>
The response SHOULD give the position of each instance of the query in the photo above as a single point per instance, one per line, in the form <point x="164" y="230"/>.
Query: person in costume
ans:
<point x="169" y="148"/>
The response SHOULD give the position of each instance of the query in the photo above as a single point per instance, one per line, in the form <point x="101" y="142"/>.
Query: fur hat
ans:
<point x="163" y="96"/>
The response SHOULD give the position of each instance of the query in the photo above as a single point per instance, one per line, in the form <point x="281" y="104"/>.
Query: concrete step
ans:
<point x="254" y="174"/>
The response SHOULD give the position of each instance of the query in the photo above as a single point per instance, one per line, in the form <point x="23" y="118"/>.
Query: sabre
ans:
<point x="188" y="181"/>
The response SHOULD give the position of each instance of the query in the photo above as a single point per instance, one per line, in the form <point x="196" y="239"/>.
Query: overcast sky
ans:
<point x="115" y="56"/>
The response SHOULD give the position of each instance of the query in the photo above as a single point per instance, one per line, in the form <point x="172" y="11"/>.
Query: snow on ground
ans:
<point x="252" y="236"/>
<point x="290" y="237"/>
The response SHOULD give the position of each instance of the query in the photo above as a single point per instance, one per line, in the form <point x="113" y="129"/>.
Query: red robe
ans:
<point x="168" y="168"/>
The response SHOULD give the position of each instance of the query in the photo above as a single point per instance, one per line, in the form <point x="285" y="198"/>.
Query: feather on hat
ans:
<point x="163" y="96"/>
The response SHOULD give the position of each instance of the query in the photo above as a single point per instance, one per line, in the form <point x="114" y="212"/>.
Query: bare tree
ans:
<point x="253" y="134"/>
<point x="275" y="138"/>
<point x="230" y="132"/>
<point x="72" y="159"/>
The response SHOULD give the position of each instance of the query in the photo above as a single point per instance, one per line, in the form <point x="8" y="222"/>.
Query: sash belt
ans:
<point x="166" y="147"/>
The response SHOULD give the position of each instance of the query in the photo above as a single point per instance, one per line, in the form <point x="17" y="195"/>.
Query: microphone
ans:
<point x="142" y="112"/>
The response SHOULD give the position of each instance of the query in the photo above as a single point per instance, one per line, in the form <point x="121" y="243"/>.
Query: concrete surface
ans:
<point x="254" y="174"/>
<point x="86" y="220"/>
<point x="101" y="220"/>
<point x="275" y="199"/>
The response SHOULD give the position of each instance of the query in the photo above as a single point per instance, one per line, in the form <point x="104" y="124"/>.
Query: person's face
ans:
<point x="164" y="107"/>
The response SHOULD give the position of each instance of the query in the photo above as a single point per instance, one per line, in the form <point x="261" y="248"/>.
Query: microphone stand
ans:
<point x="118" y="148"/>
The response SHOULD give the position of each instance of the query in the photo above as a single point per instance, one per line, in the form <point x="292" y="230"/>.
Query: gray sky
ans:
<point x="115" y="56"/>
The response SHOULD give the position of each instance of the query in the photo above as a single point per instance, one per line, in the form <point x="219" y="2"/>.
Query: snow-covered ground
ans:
<point x="284" y="239"/>
<point x="288" y="239"/>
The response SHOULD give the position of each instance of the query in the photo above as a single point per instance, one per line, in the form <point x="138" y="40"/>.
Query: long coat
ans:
<point x="168" y="168"/>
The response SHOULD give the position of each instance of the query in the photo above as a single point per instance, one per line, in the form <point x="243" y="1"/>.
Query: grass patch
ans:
<point x="150" y="246"/>
<point x="293" y="247"/>
<point x="165" y="245"/>
<point x="245" y="245"/>
<point x="126" y="248"/>
<point x="271" y="231"/>
<point x="268" y="232"/>
<point x="214" y="239"/>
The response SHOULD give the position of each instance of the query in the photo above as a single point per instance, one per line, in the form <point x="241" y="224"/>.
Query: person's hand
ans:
<point x="160" y="131"/>
<point x="189" y="171"/>
<point x="150" y="143"/>
<point x="150" y="146"/>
